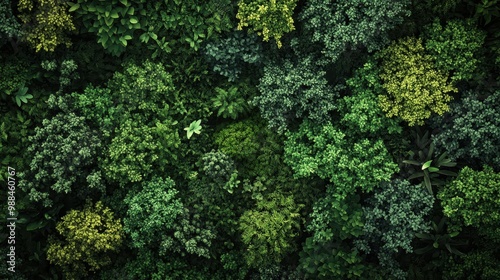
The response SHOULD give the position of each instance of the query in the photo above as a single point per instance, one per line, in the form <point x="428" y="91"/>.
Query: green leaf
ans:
<point x="133" y="20"/>
<point x="127" y="37"/>
<point x="74" y="7"/>
<point x="413" y="162"/>
<point x="426" y="164"/>
<point x="194" y="127"/>
<point x="124" y="2"/>
<point x="416" y="175"/>
<point x="433" y="169"/>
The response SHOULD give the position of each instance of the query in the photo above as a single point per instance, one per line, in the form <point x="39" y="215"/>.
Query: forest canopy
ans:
<point x="250" y="139"/>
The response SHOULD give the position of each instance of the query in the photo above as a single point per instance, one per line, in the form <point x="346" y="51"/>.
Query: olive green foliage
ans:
<point x="239" y="140"/>
<point x="335" y="217"/>
<point x="332" y="260"/>
<point x="230" y="103"/>
<point x="294" y="90"/>
<point x="326" y="151"/>
<point x="396" y="212"/>
<point x="269" y="229"/>
<point x="229" y="56"/>
<point x="415" y="88"/>
<point x="63" y="152"/>
<point x="9" y="27"/>
<point x="156" y="218"/>
<point x="46" y="23"/>
<point x="472" y="133"/>
<point x="268" y="18"/>
<point x="360" y="110"/>
<point x="343" y="25"/>
<point x="472" y="199"/>
<point x="87" y="236"/>
<point x="455" y="47"/>
<point x="478" y="264"/>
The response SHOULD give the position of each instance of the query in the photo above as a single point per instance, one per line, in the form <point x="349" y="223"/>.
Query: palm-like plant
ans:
<point x="430" y="168"/>
<point x="440" y="240"/>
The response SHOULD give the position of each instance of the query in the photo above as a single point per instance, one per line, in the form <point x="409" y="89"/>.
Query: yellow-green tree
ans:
<point x="45" y="23"/>
<point x="414" y="86"/>
<point x="87" y="235"/>
<point x="270" y="18"/>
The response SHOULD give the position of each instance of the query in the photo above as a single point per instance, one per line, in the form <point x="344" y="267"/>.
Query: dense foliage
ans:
<point x="250" y="139"/>
<point x="414" y="87"/>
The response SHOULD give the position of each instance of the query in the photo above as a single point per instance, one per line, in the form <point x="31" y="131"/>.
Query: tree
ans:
<point x="294" y="90"/>
<point x="471" y="131"/>
<point x="455" y="48"/>
<point x="159" y="25"/>
<point x="230" y="55"/>
<point x="63" y="153"/>
<point x="415" y="88"/>
<point x="46" y="23"/>
<point x="343" y="25"/>
<point x="326" y="151"/>
<point x="269" y="229"/>
<point x="137" y="150"/>
<point x="156" y="218"/>
<point x="9" y="27"/>
<point x="333" y="260"/>
<point x="336" y="218"/>
<point x="472" y="199"/>
<point x="88" y="235"/>
<point x="270" y="18"/>
<point x="395" y="213"/>
<point x="360" y="110"/>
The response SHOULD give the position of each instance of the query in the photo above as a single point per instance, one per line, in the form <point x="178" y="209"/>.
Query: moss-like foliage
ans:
<point x="88" y="235"/>
<point x="472" y="199"/>
<point x="415" y="87"/>
<point x="343" y="25"/>
<point x="455" y="47"/>
<point x="269" y="229"/>
<point x="471" y="131"/>
<point x="270" y="19"/>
